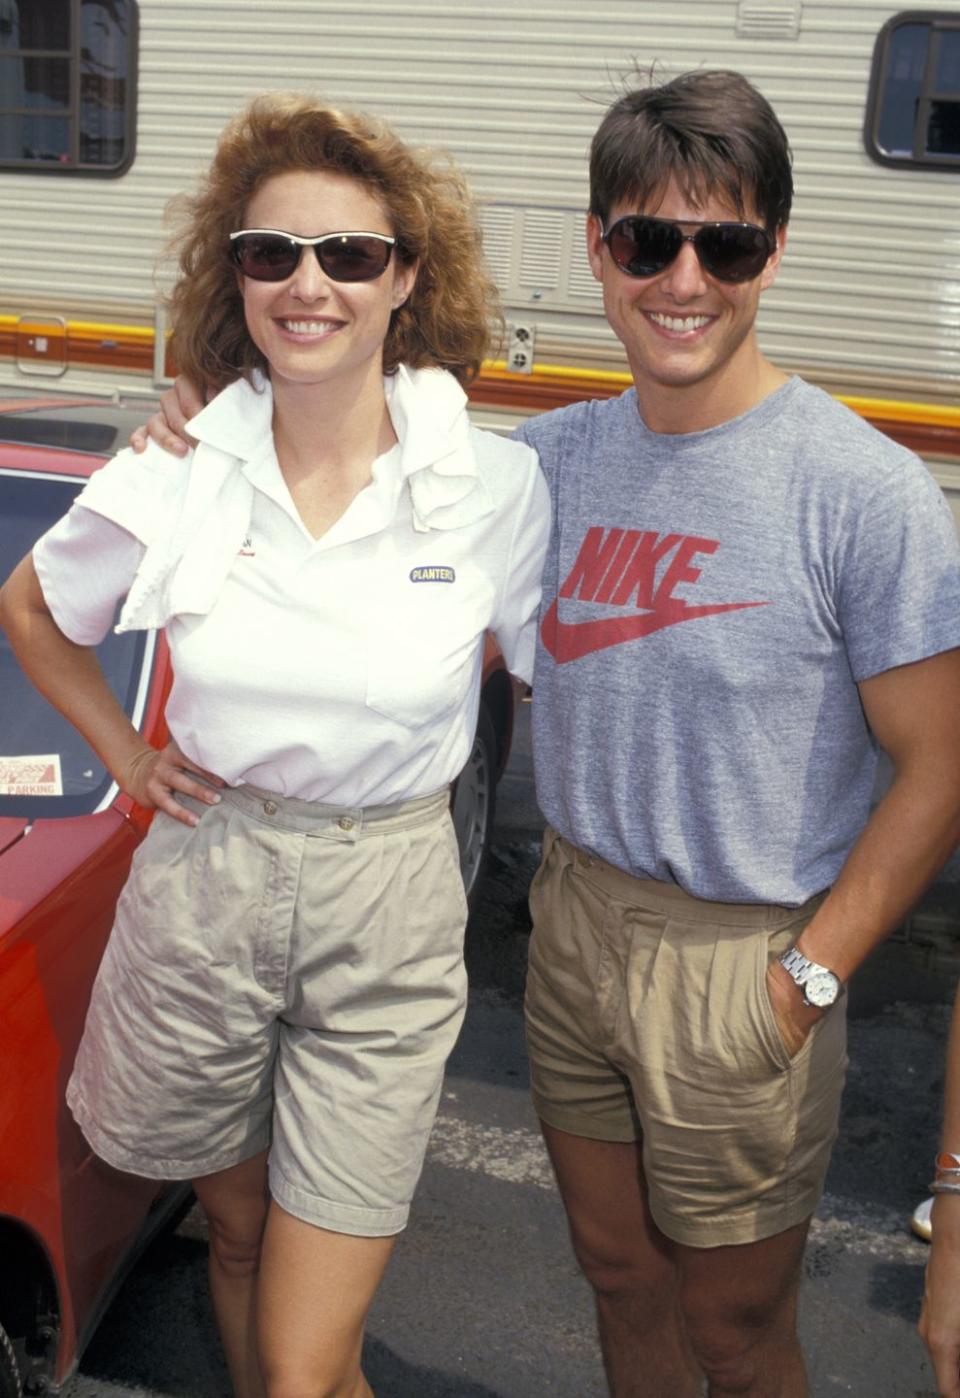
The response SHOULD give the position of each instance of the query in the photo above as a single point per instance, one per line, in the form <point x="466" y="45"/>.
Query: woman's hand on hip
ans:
<point x="153" y="776"/>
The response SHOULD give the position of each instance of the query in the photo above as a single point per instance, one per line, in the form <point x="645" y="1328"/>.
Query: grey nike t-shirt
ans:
<point x="710" y="602"/>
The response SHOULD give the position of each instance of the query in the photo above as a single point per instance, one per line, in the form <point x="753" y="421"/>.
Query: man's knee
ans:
<point x="617" y="1271"/>
<point x="736" y="1342"/>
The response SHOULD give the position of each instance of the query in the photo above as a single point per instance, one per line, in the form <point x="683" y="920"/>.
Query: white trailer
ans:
<point x="868" y="300"/>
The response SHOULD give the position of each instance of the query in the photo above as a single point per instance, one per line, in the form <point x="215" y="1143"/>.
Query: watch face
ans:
<point x="821" y="988"/>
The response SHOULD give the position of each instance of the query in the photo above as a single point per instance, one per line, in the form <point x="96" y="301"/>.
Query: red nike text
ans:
<point x="619" y="567"/>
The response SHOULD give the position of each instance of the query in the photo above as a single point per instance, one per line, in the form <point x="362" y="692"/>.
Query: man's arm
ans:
<point x="168" y="426"/>
<point x="914" y="713"/>
<point x="940" y="1316"/>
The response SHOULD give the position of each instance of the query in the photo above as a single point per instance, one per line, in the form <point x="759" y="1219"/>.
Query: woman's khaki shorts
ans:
<point x="648" y="1019"/>
<point x="288" y="975"/>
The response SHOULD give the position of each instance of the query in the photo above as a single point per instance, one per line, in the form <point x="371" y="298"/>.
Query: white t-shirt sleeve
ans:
<point x="515" y="622"/>
<point x="85" y="565"/>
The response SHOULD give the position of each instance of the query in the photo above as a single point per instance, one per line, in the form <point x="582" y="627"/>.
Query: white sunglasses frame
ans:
<point x="312" y="243"/>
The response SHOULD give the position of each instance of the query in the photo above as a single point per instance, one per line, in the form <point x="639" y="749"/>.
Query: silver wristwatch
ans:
<point x="820" y="986"/>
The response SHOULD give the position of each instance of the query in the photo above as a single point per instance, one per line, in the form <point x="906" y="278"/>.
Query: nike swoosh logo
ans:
<point x="567" y="642"/>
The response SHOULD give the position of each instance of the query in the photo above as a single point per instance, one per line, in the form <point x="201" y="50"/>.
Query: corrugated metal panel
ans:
<point x="870" y="289"/>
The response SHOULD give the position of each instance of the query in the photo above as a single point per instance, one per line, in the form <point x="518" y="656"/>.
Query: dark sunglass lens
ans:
<point x="733" y="252"/>
<point x="266" y="258"/>
<point x="642" y="247"/>
<point x="353" y="259"/>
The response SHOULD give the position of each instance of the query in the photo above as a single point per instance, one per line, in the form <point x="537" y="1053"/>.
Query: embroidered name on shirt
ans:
<point x="433" y="573"/>
<point x="619" y="567"/>
<point x="246" y="548"/>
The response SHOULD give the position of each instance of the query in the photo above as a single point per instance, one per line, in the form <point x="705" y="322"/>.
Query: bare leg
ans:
<point x="315" y="1290"/>
<point x="740" y="1309"/>
<point x="629" y="1263"/>
<point x="235" y="1202"/>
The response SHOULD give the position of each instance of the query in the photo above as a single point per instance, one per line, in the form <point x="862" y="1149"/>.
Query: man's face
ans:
<point x="689" y="337"/>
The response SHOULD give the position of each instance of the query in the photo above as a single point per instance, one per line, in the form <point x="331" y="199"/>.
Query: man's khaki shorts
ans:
<point x="648" y="1019"/>
<point x="284" y="974"/>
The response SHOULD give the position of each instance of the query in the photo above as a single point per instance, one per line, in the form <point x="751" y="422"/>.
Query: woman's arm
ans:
<point x="940" y="1316"/>
<point x="70" y="677"/>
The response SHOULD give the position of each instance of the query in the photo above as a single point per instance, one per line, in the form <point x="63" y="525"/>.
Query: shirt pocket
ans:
<point x="424" y="647"/>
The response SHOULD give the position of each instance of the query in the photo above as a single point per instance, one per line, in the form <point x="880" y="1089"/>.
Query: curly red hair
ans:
<point x="445" y="322"/>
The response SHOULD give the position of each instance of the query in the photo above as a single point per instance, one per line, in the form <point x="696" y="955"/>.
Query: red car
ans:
<point x="70" y="1226"/>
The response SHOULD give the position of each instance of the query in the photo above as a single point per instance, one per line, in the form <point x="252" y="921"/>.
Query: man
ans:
<point x="747" y="589"/>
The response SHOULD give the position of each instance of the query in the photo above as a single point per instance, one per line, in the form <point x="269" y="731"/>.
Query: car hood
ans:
<point x="40" y="859"/>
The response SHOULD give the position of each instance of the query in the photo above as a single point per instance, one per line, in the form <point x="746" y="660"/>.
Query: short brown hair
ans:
<point x="447" y="318"/>
<point x="711" y="131"/>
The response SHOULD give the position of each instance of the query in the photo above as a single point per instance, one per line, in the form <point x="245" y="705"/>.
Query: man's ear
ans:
<point x="595" y="245"/>
<point x="769" y="274"/>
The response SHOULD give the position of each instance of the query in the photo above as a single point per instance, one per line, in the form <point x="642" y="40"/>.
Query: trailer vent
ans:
<point x="755" y="21"/>
<point x="497" y="227"/>
<point x="542" y="248"/>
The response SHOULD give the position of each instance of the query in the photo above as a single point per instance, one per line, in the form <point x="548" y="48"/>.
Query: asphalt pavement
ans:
<point x="483" y="1299"/>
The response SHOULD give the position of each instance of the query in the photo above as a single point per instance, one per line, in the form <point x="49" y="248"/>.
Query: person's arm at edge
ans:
<point x="70" y="677"/>
<point x="940" y="1317"/>
<point x="914" y="713"/>
<point x="168" y="425"/>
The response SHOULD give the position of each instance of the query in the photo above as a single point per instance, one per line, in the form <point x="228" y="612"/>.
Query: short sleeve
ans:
<point x="85" y="565"/>
<point x="899" y="590"/>
<point x="515" y="622"/>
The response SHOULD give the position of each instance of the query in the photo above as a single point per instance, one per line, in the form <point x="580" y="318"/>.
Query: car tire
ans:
<point x="10" y="1385"/>
<point x="473" y="803"/>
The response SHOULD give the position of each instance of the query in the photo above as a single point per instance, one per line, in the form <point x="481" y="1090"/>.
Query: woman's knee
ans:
<point x="236" y="1227"/>
<point x="236" y="1202"/>
<point x="336" y="1377"/>
<point x="235" y="1244"/>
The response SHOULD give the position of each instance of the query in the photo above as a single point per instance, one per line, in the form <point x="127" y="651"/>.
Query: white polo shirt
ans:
<point x="343" y="669"/>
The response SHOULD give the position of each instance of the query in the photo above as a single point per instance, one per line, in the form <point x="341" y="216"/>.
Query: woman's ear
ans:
<point x="404" y="281"/>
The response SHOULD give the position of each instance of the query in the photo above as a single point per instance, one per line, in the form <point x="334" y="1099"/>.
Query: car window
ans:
<point x="46" y="768"/>
<point x="74" y="428"/>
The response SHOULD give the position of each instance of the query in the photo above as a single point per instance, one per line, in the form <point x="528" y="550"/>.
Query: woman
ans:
<point x="285" y="977"/>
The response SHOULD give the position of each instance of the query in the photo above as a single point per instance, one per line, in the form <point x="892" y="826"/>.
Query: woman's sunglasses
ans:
<point x="731" y="252"/>
<point x="267" y="255"/>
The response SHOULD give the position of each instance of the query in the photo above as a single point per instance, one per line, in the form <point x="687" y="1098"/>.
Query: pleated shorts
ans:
<point x="648" y="1020"/>
<point x="284" y="975"/>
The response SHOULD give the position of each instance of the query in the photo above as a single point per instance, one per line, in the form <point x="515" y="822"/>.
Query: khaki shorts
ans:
<point x="284" y="974"/>
<point x="648" y="1019"/>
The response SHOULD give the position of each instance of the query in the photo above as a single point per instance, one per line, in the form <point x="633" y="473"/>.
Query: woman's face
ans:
<point x="310" y="328"/>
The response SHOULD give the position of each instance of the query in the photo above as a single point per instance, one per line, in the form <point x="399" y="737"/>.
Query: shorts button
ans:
<point x="270" y="808"/>
<point x="346" y="822"/>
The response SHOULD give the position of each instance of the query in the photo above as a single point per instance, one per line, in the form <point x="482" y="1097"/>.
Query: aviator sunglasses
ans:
<point x="268" y="255"/>
<point x="731" y="252"/>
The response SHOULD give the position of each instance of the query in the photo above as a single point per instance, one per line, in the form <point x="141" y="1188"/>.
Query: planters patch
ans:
<point x="433" y="573"/>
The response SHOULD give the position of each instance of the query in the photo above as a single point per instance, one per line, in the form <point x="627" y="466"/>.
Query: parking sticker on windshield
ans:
<point x="31" y="776"/>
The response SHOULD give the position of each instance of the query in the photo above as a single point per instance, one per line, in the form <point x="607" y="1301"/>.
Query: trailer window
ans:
<point x="913" y="109"/>
<point x="67" y="85"/>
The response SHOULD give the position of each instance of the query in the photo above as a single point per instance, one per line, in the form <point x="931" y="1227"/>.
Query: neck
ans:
<point x="331" y="428"/>
<point x="673" y="409"/>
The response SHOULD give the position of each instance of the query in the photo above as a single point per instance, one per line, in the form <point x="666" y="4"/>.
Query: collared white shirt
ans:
<point x="343" y="669"/>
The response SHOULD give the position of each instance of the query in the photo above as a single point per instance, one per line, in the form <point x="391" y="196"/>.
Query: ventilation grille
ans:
<point x="757" y="21"/>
